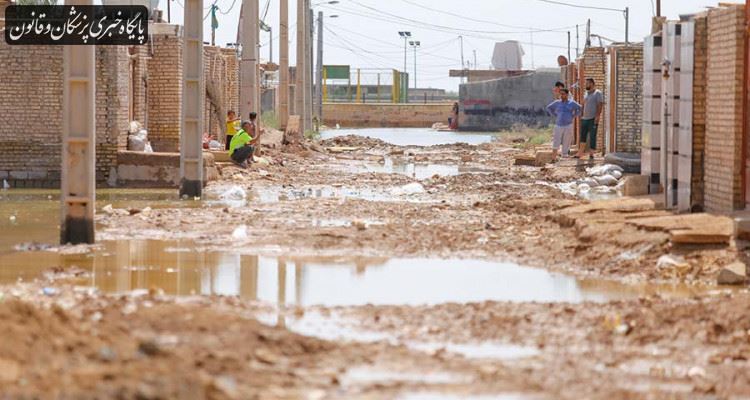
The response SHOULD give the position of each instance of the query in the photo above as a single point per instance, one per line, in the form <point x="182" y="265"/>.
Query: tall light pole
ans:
<point x="406" y="35"/>
<point x="414" y="45"/>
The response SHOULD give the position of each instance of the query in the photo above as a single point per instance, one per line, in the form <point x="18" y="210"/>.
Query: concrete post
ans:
<point x="283" y="63"/>
<point x="78" y="177"/>
<point x="249" y="59"/>
<point x="301" y="74"/>
<point x="309" y="67"/>
<point x="193" y="99"/>
<point x="319" y="77"/>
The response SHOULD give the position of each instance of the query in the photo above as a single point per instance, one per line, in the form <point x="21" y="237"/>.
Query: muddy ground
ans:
<point x="64" y="341"/>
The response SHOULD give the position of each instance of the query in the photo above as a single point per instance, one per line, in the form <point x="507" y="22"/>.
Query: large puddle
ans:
<point x="412" y="137"/>
<point x="179" y="268"/>
<point x="33" y="215"/>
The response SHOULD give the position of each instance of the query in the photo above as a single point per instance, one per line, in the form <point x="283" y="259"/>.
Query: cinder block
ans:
<point x="636" y="185"/>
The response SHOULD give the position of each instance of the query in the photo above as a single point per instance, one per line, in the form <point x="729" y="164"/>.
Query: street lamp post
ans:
<point x="414" y="45"/>
<point x="406" y="35"/>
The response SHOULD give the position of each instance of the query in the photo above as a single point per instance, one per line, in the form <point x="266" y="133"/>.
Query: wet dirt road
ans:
<point x="368" y="270"/>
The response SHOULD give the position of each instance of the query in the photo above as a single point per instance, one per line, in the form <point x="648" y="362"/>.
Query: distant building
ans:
<point x="508" y="55"/>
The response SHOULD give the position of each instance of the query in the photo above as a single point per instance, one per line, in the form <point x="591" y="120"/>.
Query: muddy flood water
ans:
<point x="28" y="221"/>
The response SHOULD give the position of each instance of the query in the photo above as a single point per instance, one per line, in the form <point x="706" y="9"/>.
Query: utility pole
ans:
<point x="531" y="35"/>
<point x="301" y="70"/>
<point x="193" y="101"/>
<point x="283" y="63"/>
<point x="249" y="88"/>
<point x="169" y="12"/>
<point x="310" y="65"/>
<point x="588" y="34"/>
<point x="214" y="23"/>
<point x="461" y="39"/>
<point x="627" y="25"/>
<point x="658" y="8"/>
<point x="319" y="77"/>
<point x="569" y="47"/>
<point x="577" y="42"/>
<point x="475" y="59"/>
<point x="78" y="174"/>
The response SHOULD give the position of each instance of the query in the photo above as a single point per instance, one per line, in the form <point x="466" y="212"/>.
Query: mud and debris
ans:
<point x="175" y="301"/>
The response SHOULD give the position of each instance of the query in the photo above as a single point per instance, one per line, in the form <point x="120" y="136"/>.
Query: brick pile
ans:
<point x="724" y="119"/>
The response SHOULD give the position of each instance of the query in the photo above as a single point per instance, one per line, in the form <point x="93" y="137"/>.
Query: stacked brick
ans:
<point x="31" y="106"/>
<point x="700" y="60"/>
<point x="628" y="105"/>
<point x="112" y="82"/>
<point x="231" y="79"/>
<point x="139" y="82"/>
<point x="164" y="91"/>
<point x="724" y="119"/>
<point x="594" y="64"/>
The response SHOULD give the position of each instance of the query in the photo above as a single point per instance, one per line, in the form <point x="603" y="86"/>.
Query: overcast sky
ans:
<point x="365" y="34"/>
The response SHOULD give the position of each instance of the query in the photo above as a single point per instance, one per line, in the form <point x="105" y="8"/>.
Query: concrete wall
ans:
<point x="500" y="104"/>
<point x="31" y="108"/>
<point x="385" y="115"/>
<point x="724" y="122"/>
<point x="157" y="170"/>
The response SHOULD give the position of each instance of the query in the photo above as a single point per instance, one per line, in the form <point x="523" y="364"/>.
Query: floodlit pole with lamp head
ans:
<point x="414" y="44"/>
<point x="406" y="35"/>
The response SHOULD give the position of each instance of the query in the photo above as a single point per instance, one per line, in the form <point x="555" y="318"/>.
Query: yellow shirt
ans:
<point x="232" y="127"/>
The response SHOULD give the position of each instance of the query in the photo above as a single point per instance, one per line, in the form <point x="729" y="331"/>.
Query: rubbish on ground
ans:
<point x="409" y="189"/>
<point x="603" y="169"/>
<point x="261" y="161"/>
<point x="5" y="184"/>
<point x="49" y="291"/>
<point x="240" y="232"/>
<point x="673" y="266"/>
<point x="606" y="180"/>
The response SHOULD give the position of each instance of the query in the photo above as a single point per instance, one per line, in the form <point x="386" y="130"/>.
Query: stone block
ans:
<point x="733" y="274"/>
<point x="636" y="185"/>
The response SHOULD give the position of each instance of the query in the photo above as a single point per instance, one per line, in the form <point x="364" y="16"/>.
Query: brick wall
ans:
<point x="165" y="91"/>
<point x="232" y="79"/>
<point x="724" y="119"/>
<point x="112" y="83"/>
<point x="31" y="110"/>
<point x="700" y="60"/>
<point x="594" y="64"/>
<point x="385" y="115"/>
<point x="214" y="72"/>
<point x="628" y="98"/>
<point x="139" y="82"/>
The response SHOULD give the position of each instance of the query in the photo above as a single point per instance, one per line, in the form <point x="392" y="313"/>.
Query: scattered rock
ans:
<point x="733" y="274"/>
<point x="149" y="347"/>
<point x="467" y="158"/>
<point x="360" y="225"/>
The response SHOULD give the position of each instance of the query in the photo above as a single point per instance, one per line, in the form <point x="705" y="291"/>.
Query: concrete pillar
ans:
<point x="284" y="64"/>
<point x="193" y="99"/>
<point x="78" y="176"/>
<point x="301" y="71"/>
<point x="249" y="79"/>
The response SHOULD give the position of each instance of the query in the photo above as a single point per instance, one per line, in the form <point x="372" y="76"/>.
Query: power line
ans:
<point x="433" y="25"/>
<point x="230" y="8"/>
<point x="560" y="3"/>
<point x="563" y="29"/>
<point x="438" y="29"/>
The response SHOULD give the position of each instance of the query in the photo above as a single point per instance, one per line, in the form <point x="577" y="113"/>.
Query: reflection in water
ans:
<point x="123" y="266"/>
